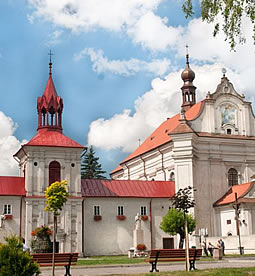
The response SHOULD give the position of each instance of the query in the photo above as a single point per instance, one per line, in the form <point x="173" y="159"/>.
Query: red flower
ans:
<point x="141" y="247"/>
<point x="144" y="218"/>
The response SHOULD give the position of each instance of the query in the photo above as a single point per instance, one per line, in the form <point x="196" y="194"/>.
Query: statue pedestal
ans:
<point x="137" y="237"/>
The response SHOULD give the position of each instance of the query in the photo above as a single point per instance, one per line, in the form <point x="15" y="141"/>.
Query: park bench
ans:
<point x="61" y="259"/>
<point x="173" y="255"/>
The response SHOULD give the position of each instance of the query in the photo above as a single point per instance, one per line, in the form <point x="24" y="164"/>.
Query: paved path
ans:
<point x="144" y="268"/>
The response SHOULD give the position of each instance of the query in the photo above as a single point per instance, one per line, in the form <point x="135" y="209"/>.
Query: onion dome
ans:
<point x="188" y="74"/>
<point x="188" y="89"/>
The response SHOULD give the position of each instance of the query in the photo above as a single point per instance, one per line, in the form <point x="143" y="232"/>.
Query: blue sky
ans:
<point x="116" y="64"/>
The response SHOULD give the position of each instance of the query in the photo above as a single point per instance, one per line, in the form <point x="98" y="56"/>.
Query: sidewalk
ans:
<point x="145" y="268"/>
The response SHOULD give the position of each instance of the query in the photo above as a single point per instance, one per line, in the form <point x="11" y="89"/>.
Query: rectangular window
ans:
<point x="143" y="211"/>
<point x="120" y="211"/>
<point x="7" y="209"/>
<point x="228" y="221"/>
<point x="97" y="211"/>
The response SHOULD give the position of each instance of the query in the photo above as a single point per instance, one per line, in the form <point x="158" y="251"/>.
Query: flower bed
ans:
<point x="41" y="242"/>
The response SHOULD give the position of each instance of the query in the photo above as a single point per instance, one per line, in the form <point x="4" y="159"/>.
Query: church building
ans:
<point x="209" y="146"/>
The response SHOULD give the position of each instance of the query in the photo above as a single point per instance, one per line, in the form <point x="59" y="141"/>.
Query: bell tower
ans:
<point x="50" y="107"/>
<point x="188" y="89"/>
<point x="48" y="157"/>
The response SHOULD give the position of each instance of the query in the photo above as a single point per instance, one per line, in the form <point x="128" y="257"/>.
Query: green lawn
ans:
<point x="246" y="271"/>
<point x="112" y="260"/>
<point x="109" y="260"/>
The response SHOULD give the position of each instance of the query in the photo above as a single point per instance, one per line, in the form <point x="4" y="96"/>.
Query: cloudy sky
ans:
<point x="116" y="64"/>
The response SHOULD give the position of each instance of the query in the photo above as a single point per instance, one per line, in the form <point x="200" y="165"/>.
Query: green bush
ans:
<point x="15" y="262"/>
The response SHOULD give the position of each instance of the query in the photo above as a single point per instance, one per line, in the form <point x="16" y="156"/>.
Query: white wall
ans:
<point x="111" y="236"/>
<point x="12" y="225"/>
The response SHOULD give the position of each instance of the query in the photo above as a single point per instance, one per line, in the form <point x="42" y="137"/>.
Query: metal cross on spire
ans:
<point x="50" y="64"/>
<point x="50" y="54"/>
<point x="187" y="53"/>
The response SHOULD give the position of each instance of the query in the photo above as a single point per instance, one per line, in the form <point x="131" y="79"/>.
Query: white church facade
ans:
<point x="209" y="146"/>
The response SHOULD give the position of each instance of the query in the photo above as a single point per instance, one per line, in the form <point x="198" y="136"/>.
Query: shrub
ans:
<point x="15" y="262"/>
<point x="141" y="247"/>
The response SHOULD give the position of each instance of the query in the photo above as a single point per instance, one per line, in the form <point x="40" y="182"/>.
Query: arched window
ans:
<point x="54" y="172"/>
<point x="232" y="177"/>
<point x="172" y="177"/>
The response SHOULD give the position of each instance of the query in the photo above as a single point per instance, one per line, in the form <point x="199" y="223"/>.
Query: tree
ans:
<point x="183" y="201"/>
<point x="173" y="223"/>
<point x="56" y="196"/>
<point x="232" y="12"/>
<point x="15" y="262"/>
<point x="90" y="167"/>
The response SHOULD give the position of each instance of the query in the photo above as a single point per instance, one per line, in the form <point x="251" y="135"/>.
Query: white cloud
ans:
<point x="136" y="18"/>
<point x="152" y="32"/>
<point x="54" y="38"/>
<point x="83" y="15"/>
<point x="9" y="145"/>
<point x="204" y="47"/>
<point x="164" y="100"/>
<point x="101" y="64"/>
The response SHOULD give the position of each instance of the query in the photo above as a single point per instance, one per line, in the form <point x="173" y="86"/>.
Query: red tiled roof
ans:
<point x="161" y="135"/>
<point x="229" y="197"/>
<point x="127" y="188"/>
<point x="182" y="128"/>
<point x="50" y="138"/>
<point x="12" y="185"/>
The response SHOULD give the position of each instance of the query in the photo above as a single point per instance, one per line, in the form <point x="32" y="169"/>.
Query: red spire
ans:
<point x="50" y="106"/>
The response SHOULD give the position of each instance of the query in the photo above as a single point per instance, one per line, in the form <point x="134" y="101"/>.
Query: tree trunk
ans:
<point x="181" y="242"/>
<point x="187" y="244"/>
<point x="54" y="244"/>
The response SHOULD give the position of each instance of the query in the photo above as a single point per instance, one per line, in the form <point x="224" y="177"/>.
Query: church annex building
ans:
<point x="210" y="146"/>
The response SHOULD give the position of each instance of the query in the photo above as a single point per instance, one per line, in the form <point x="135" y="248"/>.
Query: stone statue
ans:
<point x="2" y="218"/>
<point x="138" y="222"/>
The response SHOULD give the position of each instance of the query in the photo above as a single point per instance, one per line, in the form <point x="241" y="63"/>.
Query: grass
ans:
<point x="115" y="260"/>
<point x="110" y="260"/>
<point x="245" y="271"/>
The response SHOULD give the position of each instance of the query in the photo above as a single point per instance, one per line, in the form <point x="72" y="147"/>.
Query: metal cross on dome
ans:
<point x="224" y="71"/>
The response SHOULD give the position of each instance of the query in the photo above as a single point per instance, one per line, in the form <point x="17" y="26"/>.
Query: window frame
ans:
<point x="120" y="210"/>
<point x="8" y="208"/>
<point x="97" y="210"/>
<point x="142" y="208"/>
<point x="54" y="172"/>
<point x="232" y="177"/>
<point x="171" y="178"/>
